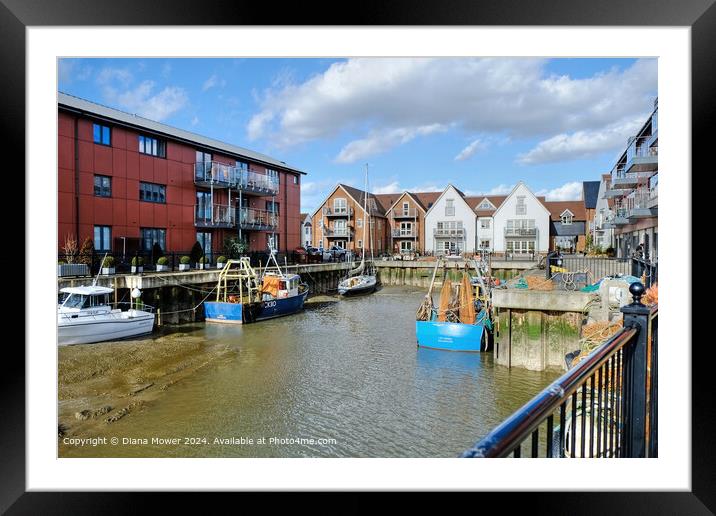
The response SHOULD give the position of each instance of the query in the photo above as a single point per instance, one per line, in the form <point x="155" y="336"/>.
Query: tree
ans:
<point x="196" y="252"/>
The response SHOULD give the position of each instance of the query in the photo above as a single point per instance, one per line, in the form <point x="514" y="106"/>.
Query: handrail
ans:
<point x="516" y="428"/>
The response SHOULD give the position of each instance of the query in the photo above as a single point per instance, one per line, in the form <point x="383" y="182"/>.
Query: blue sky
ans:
<point x="481" y="124"/>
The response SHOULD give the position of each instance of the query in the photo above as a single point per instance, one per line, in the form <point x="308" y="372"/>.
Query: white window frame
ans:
<point x="521" y="206"/>
<point x="449" y="207"/>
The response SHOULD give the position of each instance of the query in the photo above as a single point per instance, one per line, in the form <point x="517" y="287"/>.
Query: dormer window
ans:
<point x="567" y="217"/>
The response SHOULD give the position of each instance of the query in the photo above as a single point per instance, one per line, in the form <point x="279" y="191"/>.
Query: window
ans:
<point x="150" y="192"/>
<point x="521" y="207"/>
<point x="485" y="223"/>
<point x="567" y="217"/>
<point x="203" y="205"/>
<point x="295" y="180"/>
<point x="485" y="244"/>
<point x="359" y="223"/>
<point x="101" y="134"/>
<point x="272" y="241"/>
<point x="272" y="206"/>
<point x="406" y="228"/>
<point x="485" y="205"/>
<point x="152" y="146"/>
<point x="449" y="207"/>
<point x="202" y="167"/>
<point x="406" y="245"/>
<point x="339" y="205"/>
<point x="204" y="238"/>
<point x="406" y="208"/>
<point x="102" y="238"/>
<point x="273" y="178"/>
<point x="360" y="244"/>
<point x="151" y="236"/>
<point x="102" y="186"/>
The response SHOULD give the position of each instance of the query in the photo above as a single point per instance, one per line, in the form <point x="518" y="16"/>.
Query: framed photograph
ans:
<point x="400" y="255"/>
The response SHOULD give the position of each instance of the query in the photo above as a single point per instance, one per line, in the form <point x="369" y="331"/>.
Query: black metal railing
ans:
<point x="604" y="406"/>
<point x="598" y="267"/>
<point x="145" y="261"/>
<point x="645" y="269"/>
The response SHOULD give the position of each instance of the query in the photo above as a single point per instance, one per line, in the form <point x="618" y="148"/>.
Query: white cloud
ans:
<point x="571" y="191"/>
<point x="70" y="70"/>
<point x="512" y="97"/>
<point x="141" y="99"/>
<point x="470" y="150"/>
<point x="213" y="81"/>
<point x="380" y="141"/>
<point x="393" y="187"/>
<point x="194" y="120"/>
<point x="581" y="144"/>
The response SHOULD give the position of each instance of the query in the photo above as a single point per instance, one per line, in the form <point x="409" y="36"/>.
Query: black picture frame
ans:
<point x="699" y="15"/>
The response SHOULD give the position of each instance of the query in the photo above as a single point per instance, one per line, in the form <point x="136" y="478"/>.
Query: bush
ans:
<point x="61" y="262"/>
<point x="196" y="252"/>
<point x="203" y="260"/>
<point x="108" y="262"/>
<point x="185" y="260"/>
<point x="221" y="259"/>
<point x="86" y="251"/>
<point x="137" y="261"/>
<point x="163" y="260"/>
<point x="611" y="251"/>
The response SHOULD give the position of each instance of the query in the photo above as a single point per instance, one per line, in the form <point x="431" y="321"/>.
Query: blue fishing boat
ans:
<point x="462" y="321"/>
<point x="246" y="296"/>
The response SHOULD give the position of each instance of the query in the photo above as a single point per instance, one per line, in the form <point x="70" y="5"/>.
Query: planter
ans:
<point x="184" y="266"/>
<point x="107" y="271"/>
<point x="201" y="266"/>
<point x="136" y="269"/>
<point x="73" y="269"/>
<point x="220" y="265"/>
<point x="161" y="268"/>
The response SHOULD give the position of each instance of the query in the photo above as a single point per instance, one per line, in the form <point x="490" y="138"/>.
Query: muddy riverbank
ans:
<point x="99" y="384"/>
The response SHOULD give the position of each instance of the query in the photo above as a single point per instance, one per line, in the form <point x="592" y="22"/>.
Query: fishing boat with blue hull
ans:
<point x="246" y="296"/>
<point x="462" y="320"/>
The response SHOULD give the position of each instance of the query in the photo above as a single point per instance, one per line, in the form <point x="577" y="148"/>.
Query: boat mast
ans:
<point x="365" y="213"/>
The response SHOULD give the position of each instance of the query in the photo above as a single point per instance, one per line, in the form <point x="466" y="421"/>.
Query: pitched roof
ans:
<point x="556" y="208"/>
<point x="72" y="103"/>
<point x="359" y="195"/>
<point x="475" y="201"/>
<point x="590" y="193"/>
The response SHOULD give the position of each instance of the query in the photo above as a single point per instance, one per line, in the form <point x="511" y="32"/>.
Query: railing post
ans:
<point x="634" y="402"/>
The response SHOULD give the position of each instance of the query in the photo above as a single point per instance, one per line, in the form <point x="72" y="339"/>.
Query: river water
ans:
<point x="346" y="374"/>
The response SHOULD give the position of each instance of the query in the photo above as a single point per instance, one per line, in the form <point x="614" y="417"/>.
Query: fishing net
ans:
<point x="270" y="285"/>
<point x="445" y="295"/>
<point x="467" y="307"/>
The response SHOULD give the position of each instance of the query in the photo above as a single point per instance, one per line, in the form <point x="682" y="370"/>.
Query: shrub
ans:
<point x="61" y="262"/>
<point x="163" y="260"/>
<point x="137" y="260"/>
<point x="221" y="259"/>
<point x="86" y="250"/>
<point x="185" y="260"/>
<point x="611" y="251"/>
<point x="203" y="259"/>
<point x="108" y="262"/>
<point x="70" y="249"/>
<point x="196" y="252"/>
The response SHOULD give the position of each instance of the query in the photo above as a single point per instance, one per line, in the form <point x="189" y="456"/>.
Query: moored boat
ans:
<point x="271" y="293"/>
<point x="85" y="315"/>
<point x="461" y="322"/>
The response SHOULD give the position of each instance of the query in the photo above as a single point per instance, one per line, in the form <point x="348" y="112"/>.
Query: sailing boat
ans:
<point x="360" y="280"/>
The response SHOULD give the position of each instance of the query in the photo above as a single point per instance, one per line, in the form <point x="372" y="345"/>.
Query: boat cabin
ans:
<point x="86" y="299"/>
<point x="279" y="286"/>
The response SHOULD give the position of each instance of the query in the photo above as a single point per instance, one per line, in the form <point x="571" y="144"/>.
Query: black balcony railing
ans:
<point x="604" y="406"/>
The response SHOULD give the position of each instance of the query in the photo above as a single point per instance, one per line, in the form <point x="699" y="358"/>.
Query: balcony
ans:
<point x="253" y="219"/>
<point x="636" y="205"/>
<point x="521" y="232"/>
<point x="405" y="214"/>
<point x="214" y="216"/>
<point x="642" y="154"/>
<point x="613" y="191"/>
<point x="337" y="232"/>
<point x="220" y="175"/>
<point x="256" y="183"/>
<point x="404" y="233"/>
<point x="214" y="174"/>
<point x="448" y="233"/>
<point x="632" y="179"/>
<point x="615" y="218"/>
<point x="338" y="212"/>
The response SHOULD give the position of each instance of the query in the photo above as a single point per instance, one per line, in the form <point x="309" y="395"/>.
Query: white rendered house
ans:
<point x="521" y="223"/>
<point x="450" y="224"/>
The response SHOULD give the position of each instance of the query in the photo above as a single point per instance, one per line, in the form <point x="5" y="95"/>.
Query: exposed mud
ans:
<point x="99" y="384"/>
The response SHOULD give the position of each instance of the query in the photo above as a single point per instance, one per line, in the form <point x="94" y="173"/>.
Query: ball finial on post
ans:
<point x="636" y="289"/>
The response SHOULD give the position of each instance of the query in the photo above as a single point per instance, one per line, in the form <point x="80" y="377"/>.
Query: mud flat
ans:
<point x="99" y="384"/>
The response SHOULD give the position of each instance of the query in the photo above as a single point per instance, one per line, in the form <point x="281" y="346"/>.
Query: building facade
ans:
<point x="568" y="226"/>
<point x="634" y="192"/>
<point x="406" y="219"/>
<point x="306" y="230"/>
<point x="522" y="223"/>
<point x="129" y="183"/>
<point x="450" y="224"/>
<point x="341" y="220"/>
<point x="603" y="232"/>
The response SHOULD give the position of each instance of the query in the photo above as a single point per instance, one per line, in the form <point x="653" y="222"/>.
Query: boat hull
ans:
<point x="449" y="336"/>
<point x="364" y="287"/>
<point x="87" y="330"/>
<point x="241" y="313"/>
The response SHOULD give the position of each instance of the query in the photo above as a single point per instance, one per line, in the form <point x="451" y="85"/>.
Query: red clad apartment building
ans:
<point x="127" y="183"/>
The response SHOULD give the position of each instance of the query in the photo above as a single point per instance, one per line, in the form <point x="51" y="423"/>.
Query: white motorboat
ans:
<point x="85" y="315"/>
